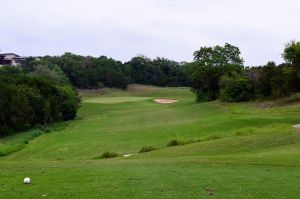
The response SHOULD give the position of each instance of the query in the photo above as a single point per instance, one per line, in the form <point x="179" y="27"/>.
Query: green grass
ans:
<point x="239" y="150"/>
<point x="17" y="142"/>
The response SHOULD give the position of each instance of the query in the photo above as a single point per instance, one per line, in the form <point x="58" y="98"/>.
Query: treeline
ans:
<point x="159" y="72"/>
<point x="41" y="91"/>
<point x="29" y="100"/>
<point x="91" y="72"/>
<point x="218" y="73"/>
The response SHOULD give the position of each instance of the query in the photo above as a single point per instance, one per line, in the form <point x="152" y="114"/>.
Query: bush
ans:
<point x="175" y="142"/>
<point x="235" y="89"/>
<point x="25" y="141"/>
<point x="108" y="154"/>
<point x="27" y="101"/>
<point x="36" y="133"/>
<point x="205" y="83"/>
<point x="10" y="70"/>
<point x="47" y="130"/>
<point x="145" y="149"/>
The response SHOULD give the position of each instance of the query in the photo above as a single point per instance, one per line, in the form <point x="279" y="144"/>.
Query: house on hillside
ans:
<point x="13" y="59"/>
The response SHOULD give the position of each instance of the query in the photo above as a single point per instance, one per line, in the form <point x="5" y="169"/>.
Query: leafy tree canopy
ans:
<point x="291" y="53"/>
<point x="218" y="55"/>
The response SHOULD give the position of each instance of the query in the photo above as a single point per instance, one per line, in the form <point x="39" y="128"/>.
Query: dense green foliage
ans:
<point x="27" y="100"/>
<point x="159" y="71"/>
<point x="218" y="72"/>
<point x="274" y="81"/>
<point x="235" y="88"/>
<point x="218" y="55"/>
<point x="84" y="72"/>
<point x="291" y="53"/>
<point x="91" y="72"/>
<point x="10" y="69"/>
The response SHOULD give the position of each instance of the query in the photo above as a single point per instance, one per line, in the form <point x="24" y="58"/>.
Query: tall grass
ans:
<point x="17" y="142"/>
<point x="274" y="128"/>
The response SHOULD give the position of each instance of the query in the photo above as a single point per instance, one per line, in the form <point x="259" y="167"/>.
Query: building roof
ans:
<point x="5" y="54"/>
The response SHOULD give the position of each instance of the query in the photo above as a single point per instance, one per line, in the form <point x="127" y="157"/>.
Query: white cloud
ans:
<point x="171" y="28"/>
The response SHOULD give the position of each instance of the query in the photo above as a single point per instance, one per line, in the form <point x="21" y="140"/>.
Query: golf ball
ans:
<point x="26" y="180"/>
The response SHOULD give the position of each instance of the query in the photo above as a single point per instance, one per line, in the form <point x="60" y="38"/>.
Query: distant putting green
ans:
<point x="114" y="100"/>
<point x="237" y="150"/>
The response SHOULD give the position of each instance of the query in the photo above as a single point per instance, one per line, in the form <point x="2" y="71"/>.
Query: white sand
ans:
<point x="297" y="126"/>
<point x="127" y="155"/>
<point x="165" y="101"/>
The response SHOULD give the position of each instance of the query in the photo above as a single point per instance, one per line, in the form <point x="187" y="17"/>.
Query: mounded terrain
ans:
<point x="236" y="150"/>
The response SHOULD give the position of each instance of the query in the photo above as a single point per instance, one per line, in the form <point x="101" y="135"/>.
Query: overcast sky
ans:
<point x="170" y="28"/>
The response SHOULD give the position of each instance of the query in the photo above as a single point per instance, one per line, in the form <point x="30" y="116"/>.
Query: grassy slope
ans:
<point x="257" y="154"/>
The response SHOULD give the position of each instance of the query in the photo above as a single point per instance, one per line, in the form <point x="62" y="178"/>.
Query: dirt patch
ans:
<point x="165" y="101"/>
<point x="297" y="126"/>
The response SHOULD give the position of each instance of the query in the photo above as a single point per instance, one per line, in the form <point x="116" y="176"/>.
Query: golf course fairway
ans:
<point x="198" y="150"/>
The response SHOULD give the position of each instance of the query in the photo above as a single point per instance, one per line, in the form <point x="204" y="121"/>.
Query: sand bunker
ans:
<point x="297" y="126"/>
<point x="127" y="155"/>
<point x="165" y="101"/>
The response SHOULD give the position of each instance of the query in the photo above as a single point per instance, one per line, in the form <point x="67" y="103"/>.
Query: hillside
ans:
<point x="231" y="150"/>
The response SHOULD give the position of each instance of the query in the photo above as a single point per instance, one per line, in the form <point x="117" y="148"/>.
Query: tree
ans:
<point x="218" y="55"/>
<point x="159" y="71"/>
<point x="27" y="100"/>
<point x="55" y="74"/>
<point x="210" y="64"/>
<point x="205" y="83"/>
<point x="236" y="88"/>
<point x="291" y="53"/>
<point x="284" y="81"/>
<point x="261" y="78"/>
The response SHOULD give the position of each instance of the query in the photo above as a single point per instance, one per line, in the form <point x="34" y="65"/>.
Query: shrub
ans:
<point x="175" y="142"/>
<point x="237" y="88"/>
<point x="10" y="70"/>
<point x="28" y="101"/>
<point x="36" y="133"/>
<point x="108" y="154"/>
<point x="145" y="149"/>
<point x="25" y="141"/>
<point x="45" y="129"/>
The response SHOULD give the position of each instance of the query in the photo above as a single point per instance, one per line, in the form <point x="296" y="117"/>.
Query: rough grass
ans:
<point x="17" y="142"/>
<point x="290" y="100"/>
<point x="238" y="150"/>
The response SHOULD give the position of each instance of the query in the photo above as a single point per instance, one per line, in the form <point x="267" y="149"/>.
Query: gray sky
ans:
<point x="170" y="28"/>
